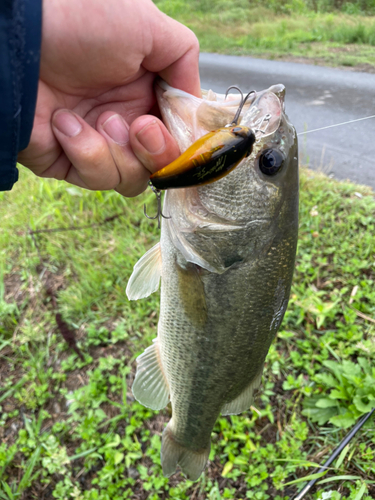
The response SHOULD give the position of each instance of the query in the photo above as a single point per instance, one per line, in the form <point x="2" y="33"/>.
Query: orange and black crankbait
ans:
<point x="210" y="158"/>
<point x="207" y="160"/>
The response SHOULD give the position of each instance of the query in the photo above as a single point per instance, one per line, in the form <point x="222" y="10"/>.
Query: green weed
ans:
<point x="70" y="428"/>
<point x="333" y="33"/>
<point x="349" y="393"/>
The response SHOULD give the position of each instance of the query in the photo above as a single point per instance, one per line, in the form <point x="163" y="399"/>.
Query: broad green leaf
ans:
<point x="335" y="367"/>
<point x="338" y="394"/>
<point x="118" y="457"/>
<point x="241" y="460"/>
<point x="227" y="468"/>
<point x="367" y="368"/>
<point x="319" y="415"/>
<point x="361" y="405"/>
<point x="114" y="443"/>
<point x="343" y="421"/>
<point x="326" y="403"/>
<point x="327" y="379"/>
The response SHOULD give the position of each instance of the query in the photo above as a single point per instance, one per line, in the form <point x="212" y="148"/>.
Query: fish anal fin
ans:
<point x="192" y="462"/>
<point x="150" y="386"/>
<point x="244" y="400"/>
<point x="146" y="275"/>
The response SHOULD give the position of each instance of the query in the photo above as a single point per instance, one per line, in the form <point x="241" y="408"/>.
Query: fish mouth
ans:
<point x="188" y="117"/>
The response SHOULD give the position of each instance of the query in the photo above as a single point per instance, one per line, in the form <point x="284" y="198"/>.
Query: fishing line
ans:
<point x="337" y="125"/>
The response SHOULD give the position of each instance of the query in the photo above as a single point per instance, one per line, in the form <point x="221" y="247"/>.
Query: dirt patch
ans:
<point x="14" y="291"/>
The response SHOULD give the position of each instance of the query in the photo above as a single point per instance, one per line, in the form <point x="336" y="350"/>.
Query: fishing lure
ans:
<point x="210" y="158"/>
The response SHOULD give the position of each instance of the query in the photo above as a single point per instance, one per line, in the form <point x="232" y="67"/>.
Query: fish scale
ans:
<point x="230" y="203"/>
<point x="226" y="260"/>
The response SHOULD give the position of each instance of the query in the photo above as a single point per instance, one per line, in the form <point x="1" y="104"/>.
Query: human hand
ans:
<point x="99" y="61"/>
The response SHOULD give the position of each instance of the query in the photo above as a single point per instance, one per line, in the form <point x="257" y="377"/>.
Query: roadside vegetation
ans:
<point x="69" y="425"/>
<point x="331" y="32"/>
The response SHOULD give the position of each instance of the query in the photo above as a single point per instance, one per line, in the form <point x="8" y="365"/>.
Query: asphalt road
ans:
<point x="315" y="97"/>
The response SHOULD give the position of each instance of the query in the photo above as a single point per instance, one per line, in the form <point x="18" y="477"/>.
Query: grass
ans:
<point x="279" y="31"/>
<point x="70" y="428"/>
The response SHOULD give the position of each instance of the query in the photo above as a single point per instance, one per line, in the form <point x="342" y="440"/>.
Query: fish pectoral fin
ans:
<point x="150" y="386"/>
<point x="146" y="275"/>
<point x="245" y="399"/>
<point x="192" y="462"/>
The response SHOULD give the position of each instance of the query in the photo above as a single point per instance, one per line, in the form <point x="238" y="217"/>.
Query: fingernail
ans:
<point x="117" y="129"/>
<point x="151" y="137"/>
<point x="67" y="123"/>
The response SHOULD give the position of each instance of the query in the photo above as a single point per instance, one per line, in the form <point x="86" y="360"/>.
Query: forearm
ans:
<point x="20" y="39"/>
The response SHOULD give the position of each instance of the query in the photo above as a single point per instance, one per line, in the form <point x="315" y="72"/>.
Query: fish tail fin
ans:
<point x="191" y="462"/>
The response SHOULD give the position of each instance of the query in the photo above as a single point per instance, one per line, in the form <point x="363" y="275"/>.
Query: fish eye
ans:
<point x="270" y="161"/>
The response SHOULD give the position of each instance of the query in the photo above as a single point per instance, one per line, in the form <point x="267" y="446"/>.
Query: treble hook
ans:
<point x="242" y="103"/>
<point x="266" y="118"/>
<point x="159" y="214"/>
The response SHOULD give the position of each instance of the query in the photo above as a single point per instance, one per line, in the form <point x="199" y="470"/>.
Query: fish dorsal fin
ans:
<point x="245" y="399"/>
<point x="150" y="386"/>
<point x="146" y="275"/>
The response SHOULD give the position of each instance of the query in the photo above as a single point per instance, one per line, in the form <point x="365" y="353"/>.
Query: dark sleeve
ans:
<point x="20" y="40"/>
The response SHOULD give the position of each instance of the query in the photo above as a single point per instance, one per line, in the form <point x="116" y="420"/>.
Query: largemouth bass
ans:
<point x="226" y="260"/>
